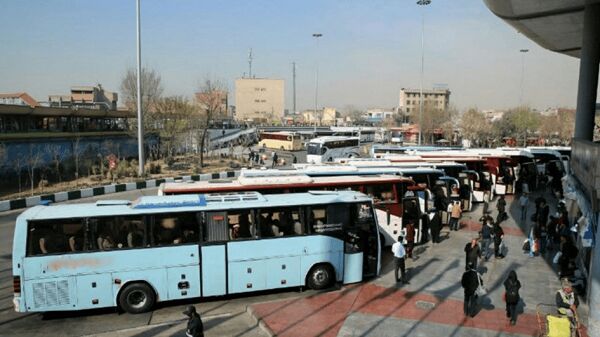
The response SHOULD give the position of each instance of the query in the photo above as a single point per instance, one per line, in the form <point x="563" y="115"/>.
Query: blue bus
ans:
<point x="160" y="248"/>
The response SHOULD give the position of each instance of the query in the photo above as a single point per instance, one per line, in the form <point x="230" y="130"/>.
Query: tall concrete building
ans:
<point x="259" y="100"/>
<point x="410" y="101"/>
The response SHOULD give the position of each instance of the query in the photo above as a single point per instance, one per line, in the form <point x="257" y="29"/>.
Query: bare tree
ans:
<point x="174" y="114"/>
<point x="33" y="161"/>
<point x="210" y="100"/>
<point x="151" y="91"/>
<point x="435" y="121"/>
<point x="58" y="154"/>
<point x="474" y="126"/>
<point x="76" y="150"/>
<point x="18" y="162"/>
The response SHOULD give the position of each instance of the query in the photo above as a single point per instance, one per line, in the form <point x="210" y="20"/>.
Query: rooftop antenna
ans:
<point x="250" y="63"/>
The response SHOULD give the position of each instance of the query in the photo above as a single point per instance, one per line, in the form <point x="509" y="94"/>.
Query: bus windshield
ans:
<point x="313" y="148"/>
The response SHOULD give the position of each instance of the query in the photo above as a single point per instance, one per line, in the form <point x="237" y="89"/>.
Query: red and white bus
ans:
<point x="392" y="195"/>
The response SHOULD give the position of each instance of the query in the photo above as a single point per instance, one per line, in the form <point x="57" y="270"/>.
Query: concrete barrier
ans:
<point x="87" y="192"/>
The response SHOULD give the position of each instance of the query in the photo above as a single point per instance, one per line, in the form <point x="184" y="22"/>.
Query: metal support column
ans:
<point x="584" y="129"/>
<point x="588" y="74"/>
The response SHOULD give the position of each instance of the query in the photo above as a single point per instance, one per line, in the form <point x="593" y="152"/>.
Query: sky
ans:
<point x="368" y="51"/>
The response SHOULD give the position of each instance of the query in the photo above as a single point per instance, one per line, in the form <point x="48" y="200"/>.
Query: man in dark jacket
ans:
<point x="472" y="253"/>
<point x="511" y="296"/>
<point x="543" y="213"/>
<point x="501" y="206"/>
<point x="498" y="237"/>
<point x="194" y="325"/>
<point x="470" y="282"/>
<point x="436" y="226"/>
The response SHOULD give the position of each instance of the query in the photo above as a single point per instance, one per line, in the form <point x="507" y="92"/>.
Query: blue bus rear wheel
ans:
<point x="137" y="298"/>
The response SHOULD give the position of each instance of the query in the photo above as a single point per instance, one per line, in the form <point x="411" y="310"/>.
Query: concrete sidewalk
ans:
<point x="432" y="304"/>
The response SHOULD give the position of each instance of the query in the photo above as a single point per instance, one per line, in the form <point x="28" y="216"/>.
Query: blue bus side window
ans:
<point x="174" y="229"/>
<point x="279" y="222"/>
<point x="119" y="232"/>
<point x="55" y="236"/>
<point x="321" y="220"/>
<point x="241" y="225"/>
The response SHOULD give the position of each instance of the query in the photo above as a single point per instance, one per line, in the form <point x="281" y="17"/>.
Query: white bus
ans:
<point x="282" y="140"/>
<point x="326" y="149"/>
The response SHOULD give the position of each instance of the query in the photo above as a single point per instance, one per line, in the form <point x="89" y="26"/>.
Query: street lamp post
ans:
<point x="422" y="3"/>
<point x="522" y="51"/>
<point x="139" y="95"/>
<point x="317" y="36"/>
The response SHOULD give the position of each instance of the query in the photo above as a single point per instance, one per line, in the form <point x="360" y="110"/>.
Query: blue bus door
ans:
<point x="214" y="255"/>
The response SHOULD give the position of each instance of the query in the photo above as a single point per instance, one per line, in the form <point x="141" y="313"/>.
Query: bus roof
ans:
<point x="321" y="140"/>
<point x="214" y="202"/>
<point x="274" y="181"/>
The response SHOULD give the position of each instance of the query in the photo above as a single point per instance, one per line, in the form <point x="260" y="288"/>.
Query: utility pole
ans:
<point x="522" y="51"/>
<point x="422" y="3"/>
<point x="317" y="36"/>
<point x="294" y="84"/>
<point x="139" y="95"/>
<point x="250" y="63"/>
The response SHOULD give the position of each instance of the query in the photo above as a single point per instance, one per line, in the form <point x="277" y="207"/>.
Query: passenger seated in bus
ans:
<point x="234" y="232"/>
<point x="75" y="234"/>
<point x="245" y="226"/>
<point x="298" y="228"/>
<point x="105" y="241"/>
<point x="52" y="240"/>
<point x="135" y="236"/>
<point x="169" y="232"/>
<point x="266" y="224"/>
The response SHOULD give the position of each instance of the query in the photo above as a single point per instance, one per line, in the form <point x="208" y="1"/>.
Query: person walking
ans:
<point x="410" y="237"/>
<point x="275" y="159"/>
<point x="399" y="256"/>
<point x="455" y="215"/>
<point x="487" y="234"/>
<point x="524" y="203"/>
<point x="294" y="160"/>
<point x="472" y="253"/>
<point x="498" y="237"/>
<point x="511" y="296"/>
<point x="436" y="227"/>
<point x="501" y="207"/>
<point x="470" y="282"/>
<point x="195" y="328"/>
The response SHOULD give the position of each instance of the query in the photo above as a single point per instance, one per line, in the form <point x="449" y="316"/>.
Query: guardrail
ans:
<point x="8" y="205"/>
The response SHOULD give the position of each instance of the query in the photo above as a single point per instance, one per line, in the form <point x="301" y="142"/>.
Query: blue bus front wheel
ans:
<point x="320" y="276"/>
<point x="137" y="298"/>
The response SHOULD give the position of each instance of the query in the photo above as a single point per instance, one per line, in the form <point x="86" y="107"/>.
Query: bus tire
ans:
<point x="137" y="298"/>
<point x="320" y="276"/>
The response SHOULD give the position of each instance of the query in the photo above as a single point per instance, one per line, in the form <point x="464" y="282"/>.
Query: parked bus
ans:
<point x="326" y="149"/>
<point x="161" y="248"/>
<point x="455" y="172"/>
<point x="388" y="191"/>
<point x="425" y="177"/>
<point x="282" y="140"/>
<point x="397" y="136"/>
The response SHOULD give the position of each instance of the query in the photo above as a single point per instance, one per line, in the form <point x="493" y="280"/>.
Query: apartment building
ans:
<point x="259" y="100"/>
